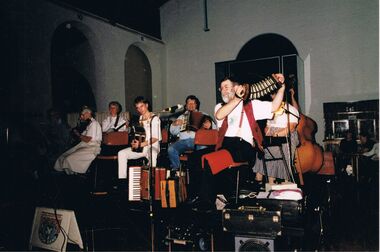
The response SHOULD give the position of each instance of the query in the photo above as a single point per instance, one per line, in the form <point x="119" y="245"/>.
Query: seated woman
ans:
<point x="78" y="158"/>
<point x="114" y="122"/>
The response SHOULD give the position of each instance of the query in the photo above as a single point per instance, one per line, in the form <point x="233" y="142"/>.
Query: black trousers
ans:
<point x="194" y="164"/>
<point x="241" y="151"/>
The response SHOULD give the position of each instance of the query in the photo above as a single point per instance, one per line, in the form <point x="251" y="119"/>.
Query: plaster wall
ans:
<point x="338" y="41"/>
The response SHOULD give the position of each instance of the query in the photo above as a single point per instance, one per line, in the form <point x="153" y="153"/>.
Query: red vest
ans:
<point x="256" y="132"/>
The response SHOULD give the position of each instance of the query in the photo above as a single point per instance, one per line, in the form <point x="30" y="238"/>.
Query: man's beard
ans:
<point x="228" y="96"/>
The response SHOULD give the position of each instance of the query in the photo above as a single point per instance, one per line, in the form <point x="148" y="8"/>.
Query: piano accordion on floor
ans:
<point x="138" y="182"/>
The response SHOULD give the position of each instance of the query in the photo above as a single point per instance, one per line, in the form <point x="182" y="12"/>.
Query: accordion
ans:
<point x="260" y="89"/>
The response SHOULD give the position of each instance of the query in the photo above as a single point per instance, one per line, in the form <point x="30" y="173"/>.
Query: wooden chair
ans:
<point x="164" y="139"/>
<point x="115" y="141"/>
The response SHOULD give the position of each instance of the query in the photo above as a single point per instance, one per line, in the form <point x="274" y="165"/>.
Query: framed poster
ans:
<point x="340" y="127"/>
<point x="367" y="125"/>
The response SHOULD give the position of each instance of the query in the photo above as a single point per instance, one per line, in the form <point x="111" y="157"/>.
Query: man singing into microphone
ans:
<point x="185" y="136"/>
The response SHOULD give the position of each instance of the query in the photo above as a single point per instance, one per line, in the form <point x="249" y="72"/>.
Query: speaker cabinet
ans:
<point x="252" y="243"/>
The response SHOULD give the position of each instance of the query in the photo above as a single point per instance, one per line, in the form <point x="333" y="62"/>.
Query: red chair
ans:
<point x="203" y="137"/>
<point x="206" y="137"/>
<point x="221" y="160"/>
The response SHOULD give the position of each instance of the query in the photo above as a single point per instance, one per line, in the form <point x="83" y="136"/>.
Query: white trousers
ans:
<point x="124" y="155"/>
<point x="77" y="159"/>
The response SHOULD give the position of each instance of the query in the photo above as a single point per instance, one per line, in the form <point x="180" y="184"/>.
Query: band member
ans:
<point x="78" y="158"/>
<point x="239" y="133"/>
<point x="151" y="143"/>
<point x="185" y="135"/>
<point x="114" y="122"/>
<point x="285" y="120"/>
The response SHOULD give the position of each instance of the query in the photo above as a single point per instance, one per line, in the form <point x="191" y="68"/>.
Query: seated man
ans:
<point x="366" y="143"/>
<point x="185" y="135"/>
<point x="239" y="134"/>
<point x="148" y="147"/>
<point x="78" y="158"/>
<point x="114" y="122"/>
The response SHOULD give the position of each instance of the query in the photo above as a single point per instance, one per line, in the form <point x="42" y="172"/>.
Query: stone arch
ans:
<point x="138" y="76"/>
<point x="73" y="67"/>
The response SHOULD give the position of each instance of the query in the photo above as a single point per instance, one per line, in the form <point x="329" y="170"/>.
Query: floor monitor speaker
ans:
<point x="253" y="243"/>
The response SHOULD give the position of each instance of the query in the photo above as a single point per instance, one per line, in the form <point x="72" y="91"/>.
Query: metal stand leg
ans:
<point x="237" y="185"/>
<point x="287" y="168"/>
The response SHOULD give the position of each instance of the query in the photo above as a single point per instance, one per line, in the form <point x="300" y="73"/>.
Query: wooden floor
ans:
<point x="341" y="215"/>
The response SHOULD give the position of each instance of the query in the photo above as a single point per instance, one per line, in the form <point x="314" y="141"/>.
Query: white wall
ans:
<point x="337" y="38"/>
<point x="32" y="25"/>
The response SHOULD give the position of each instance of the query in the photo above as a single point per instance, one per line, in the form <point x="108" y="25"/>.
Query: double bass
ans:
<point x="309" y="155"/>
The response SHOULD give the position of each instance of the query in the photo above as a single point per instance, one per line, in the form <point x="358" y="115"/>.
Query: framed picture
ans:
<point x="367" y="125"/>
<point x="340" y="127"/>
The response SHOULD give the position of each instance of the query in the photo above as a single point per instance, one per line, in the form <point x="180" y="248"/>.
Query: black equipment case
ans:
<point x="254" y="220"/>
<point x="270" y="216"/>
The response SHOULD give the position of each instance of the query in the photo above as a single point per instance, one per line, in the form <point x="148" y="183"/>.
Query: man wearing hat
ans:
<point x="78" y="158"/>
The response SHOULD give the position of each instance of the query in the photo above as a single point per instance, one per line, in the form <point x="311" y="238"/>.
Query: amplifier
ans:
<point x="249" y="243"/>
<point x="252" y="220"/>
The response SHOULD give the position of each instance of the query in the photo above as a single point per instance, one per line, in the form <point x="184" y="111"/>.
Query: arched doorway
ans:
<point x="261" y="56"/>
<point x="72" y="69"/>
<point x="138" y="77"/>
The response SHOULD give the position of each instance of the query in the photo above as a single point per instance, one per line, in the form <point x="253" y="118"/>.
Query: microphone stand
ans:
<point x="289" y="167"/>
<point x="151" y="194"/>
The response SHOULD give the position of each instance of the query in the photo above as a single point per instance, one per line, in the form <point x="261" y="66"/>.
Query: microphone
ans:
<point x="173" y="109"/>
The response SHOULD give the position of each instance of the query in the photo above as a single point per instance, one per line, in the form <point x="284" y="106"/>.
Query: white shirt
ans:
<point x="261" y="110"/>
<point x="281" y="121"/>
<point x="156" y="130"/>
<point x="108" y="124"/>
<point x="94" y="131"/>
